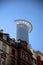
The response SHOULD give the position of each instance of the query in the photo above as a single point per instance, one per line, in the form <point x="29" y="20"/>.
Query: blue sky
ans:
<point x="23" y="9"/>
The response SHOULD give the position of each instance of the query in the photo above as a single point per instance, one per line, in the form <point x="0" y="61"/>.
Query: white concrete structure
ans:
<point x="24" y="27"/>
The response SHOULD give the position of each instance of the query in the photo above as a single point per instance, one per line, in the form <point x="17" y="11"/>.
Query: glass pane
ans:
<point x="12" y="62"/>
<point x="4" y="37"/>
<point x="26" y="57"/>
<point x="13" y="51"/>
<point x="4" y="47"/>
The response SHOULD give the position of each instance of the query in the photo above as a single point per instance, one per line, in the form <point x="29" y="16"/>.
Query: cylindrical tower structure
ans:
<point x="23" y="28"/>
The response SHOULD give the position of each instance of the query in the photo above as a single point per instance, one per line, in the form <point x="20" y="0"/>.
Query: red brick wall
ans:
<point x="39" y="60"/>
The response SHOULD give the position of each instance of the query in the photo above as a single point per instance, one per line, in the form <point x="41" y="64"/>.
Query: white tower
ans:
<point x="24" y="27"/>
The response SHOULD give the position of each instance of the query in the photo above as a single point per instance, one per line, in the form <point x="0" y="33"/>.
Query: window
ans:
<point x="42" y="62"/>
<point x="13" y="51"/>
<point x="0" y="56"/>
<point x="4" y="37"/>
<point x="23" y="64"/>
<point x="26" y="57"/>
<point x="34" y="61"/>
<point x="23" y="55"/>
<point x="4" y="47"/>
<point x="3" y="55"/>
<point x="0" y="59"/>
<point x="12" y="62"/>
<point x="3" y="61"/>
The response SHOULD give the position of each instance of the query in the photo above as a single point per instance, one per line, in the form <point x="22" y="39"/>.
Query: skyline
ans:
<point x="31" y="11"/>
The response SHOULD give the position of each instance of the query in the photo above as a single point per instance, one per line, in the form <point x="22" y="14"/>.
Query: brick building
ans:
<point x="18" y="52"/>
<point x="14" y="52"/>
<point x="37" y="57"/>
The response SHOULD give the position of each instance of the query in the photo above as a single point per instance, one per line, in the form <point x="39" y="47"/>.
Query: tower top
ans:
<point x="24" y="23"/>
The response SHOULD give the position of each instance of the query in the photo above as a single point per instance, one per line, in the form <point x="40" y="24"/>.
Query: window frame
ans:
<point x="3" y="60"/>
<point x="4" y="37"/>
<point x="4" y="47"/>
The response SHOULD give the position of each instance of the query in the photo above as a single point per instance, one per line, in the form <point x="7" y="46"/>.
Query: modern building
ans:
<point x="23" y="29"/>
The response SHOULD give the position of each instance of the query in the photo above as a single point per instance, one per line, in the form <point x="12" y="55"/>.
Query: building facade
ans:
<point x="37" y="57"/>
<point x="4" y="48"/>
<point x="18" y="52"/>
<point x="14" y="52"/>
